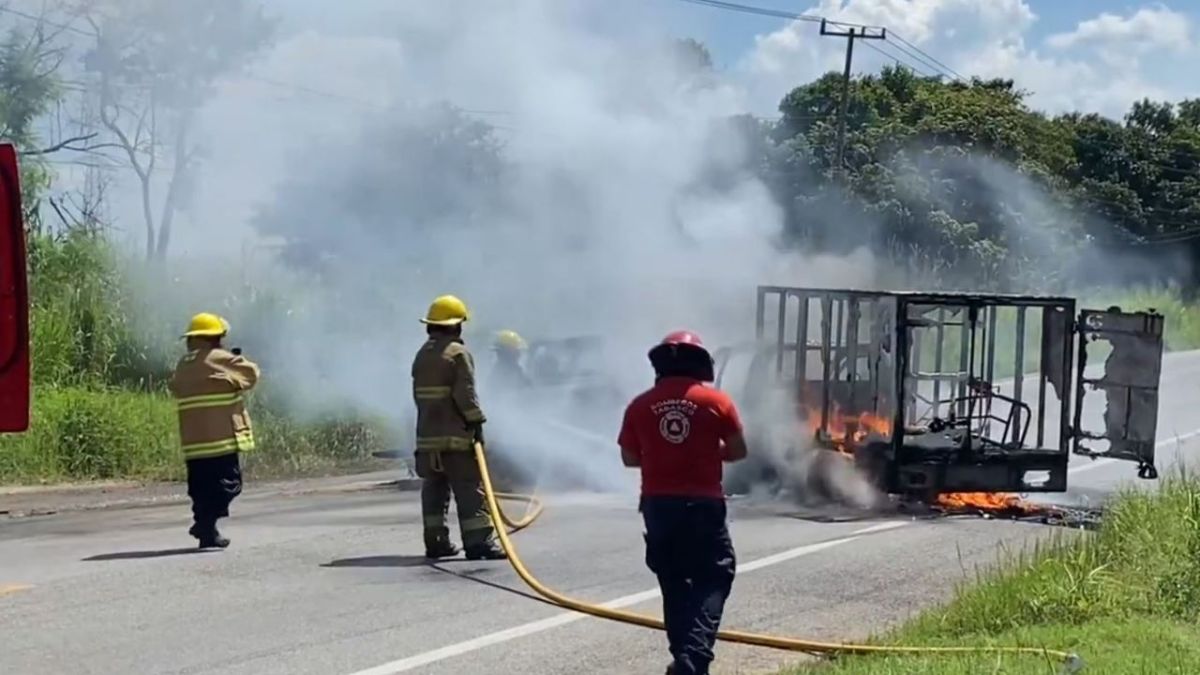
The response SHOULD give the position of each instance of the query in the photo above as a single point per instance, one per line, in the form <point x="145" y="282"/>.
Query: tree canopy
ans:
<point x="966" y="177"/>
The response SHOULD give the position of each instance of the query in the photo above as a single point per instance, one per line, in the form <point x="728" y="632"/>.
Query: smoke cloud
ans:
<point x="565" y="174"/>
<point x="562" y="165"/>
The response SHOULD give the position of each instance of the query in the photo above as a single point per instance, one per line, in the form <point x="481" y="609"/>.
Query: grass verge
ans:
<point x="1126" y="599"/>
<point x="80" y="434"/>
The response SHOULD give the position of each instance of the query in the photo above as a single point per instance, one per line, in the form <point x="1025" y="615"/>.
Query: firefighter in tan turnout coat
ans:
<point x="449" y="422"/>
<point x="209" y="386"/>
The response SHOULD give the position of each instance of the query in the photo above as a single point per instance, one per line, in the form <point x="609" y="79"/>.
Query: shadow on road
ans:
<point x="472" y="572"/>
<point x="382" y="561"/>
<point x="473" y="575"/>
<point x="139" y="555"/>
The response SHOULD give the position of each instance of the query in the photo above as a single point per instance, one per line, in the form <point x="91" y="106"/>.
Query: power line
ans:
<point x="922" y="52"/>
<point x="906" y="47"/>
<point x="931" y="63"/>
<point x="899" y="60"/>
<point x="851" y="34"/>
<point x="778" y="14"/>
<point x="902" y="45"/>
<point x="927" y="60"/>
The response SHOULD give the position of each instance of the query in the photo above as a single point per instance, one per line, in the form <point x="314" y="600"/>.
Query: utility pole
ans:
<point x="854" y="32"/>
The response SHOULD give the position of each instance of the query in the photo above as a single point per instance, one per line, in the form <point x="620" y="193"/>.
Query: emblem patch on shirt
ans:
<point x="674" y="426"/>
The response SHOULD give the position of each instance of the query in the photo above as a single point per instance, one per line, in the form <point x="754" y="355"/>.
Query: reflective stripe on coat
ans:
<point x="443" y="375"/>
<point x="209" y="386"/>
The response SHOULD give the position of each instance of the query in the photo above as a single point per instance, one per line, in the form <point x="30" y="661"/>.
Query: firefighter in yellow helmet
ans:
<point x="449" y="422"/>
<point x="209" y="385"/>
<point x="509" y="348"/>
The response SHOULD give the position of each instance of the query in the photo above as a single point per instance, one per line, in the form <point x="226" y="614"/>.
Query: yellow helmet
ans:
<point x="509" y="339"/>
<point x="206" y="324"/>
<point x="446" y="310"/>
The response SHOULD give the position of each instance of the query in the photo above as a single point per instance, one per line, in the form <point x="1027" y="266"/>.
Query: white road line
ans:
<point x="474" y="644"/>
<point x="1097" y="463"/>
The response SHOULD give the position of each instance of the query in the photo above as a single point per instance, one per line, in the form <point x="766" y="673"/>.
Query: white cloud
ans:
<point x="1146" y="29"/>
<point x="1100" y="66"/>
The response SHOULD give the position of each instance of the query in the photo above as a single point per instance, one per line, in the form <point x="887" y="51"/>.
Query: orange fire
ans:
<point x="847" y="432"/>
<point x="983" y="501"/>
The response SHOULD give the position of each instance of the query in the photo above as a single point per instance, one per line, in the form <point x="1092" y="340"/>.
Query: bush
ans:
<point x="83" y="434"/>
<point x="288" y="447"/>
<point x="80" y="312"/>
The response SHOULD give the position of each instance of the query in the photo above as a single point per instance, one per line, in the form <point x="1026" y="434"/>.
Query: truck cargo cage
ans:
<point x="958" y="392"/>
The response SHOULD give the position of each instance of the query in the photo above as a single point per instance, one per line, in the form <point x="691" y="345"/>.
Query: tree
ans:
<point x="1152" y="118"/>
<point x="963" y="176"/>
<point x="154" y="63"/>
<point x="29" y="87"/>
<point x="31" y="60"/>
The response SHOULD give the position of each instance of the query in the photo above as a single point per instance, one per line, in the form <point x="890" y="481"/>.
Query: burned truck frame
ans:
<point x="948" y="392"/>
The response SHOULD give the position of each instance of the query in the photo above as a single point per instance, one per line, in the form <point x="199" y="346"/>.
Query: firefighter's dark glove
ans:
<point x="477" y="432"/>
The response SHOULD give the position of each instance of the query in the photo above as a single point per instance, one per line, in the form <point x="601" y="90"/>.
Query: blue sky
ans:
<point x="730" y="35"/>
<point x="1090" y="55"/>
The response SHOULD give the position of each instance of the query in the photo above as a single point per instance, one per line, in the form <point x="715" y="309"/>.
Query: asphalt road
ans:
<point x="332" y="583"/>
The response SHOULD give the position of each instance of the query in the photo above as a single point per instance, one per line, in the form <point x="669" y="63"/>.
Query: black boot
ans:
<point x="208" y="536"/>
<point x="488" y="551"/>
<point x="441" y="548"/>
<point x="215" y="540"/>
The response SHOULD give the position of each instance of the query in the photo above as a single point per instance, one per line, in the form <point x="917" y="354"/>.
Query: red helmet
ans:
<point x="683" y="337"/>
<point x="682" y="352"/>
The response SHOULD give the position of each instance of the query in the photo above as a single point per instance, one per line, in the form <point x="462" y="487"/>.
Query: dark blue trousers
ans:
<point x="688" y="548"/>
<point x="213" y="483"/>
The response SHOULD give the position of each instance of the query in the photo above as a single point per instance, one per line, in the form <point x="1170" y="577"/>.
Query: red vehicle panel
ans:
<point x="14" y="300"/>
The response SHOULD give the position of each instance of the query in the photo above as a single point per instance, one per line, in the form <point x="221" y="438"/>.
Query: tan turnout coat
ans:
<point x="443" y="375"/>
<point x="209" y="386"/>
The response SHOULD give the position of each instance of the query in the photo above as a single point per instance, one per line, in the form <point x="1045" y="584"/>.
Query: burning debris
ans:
<point x="904" y="394"/>
<point x="850" y="436"/>
<point x="844" y="433"/>
<point x="995" y="503"/>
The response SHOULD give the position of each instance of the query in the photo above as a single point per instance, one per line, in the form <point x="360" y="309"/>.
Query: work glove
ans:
<point x="477" y="433"/>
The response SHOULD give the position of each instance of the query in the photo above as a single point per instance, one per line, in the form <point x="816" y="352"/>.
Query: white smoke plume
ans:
<point x="627" y="209"/>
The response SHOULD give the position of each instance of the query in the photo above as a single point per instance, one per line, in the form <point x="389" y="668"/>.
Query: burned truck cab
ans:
<point x="932" y="393"/>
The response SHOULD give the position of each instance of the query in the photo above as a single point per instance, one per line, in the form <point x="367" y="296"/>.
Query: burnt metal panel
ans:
<point x="1129" y="381"/>
<point x="978" y="438"/>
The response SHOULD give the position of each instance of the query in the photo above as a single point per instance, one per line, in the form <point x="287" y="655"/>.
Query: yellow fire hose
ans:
<point x="1072" y="663"/>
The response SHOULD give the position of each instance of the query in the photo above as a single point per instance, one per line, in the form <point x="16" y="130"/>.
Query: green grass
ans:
<point x="1125" y="599"/>
<point x="335" y="443"/>
<point x="102" y="346"/>
<point x="81" y="434"/>
<point x="1139" y="646"/>
<point x="1182" y="319"/>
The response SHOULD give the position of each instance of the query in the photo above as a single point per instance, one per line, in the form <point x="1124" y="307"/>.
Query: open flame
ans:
<point x="984" y="501"/>
<point x="846" y="432"/>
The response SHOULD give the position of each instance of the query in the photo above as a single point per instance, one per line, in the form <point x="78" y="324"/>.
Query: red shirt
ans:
<point x="676" y="429"/>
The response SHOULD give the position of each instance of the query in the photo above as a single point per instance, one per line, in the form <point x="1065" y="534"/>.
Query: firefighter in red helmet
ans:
<point x="678" y="433"/>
